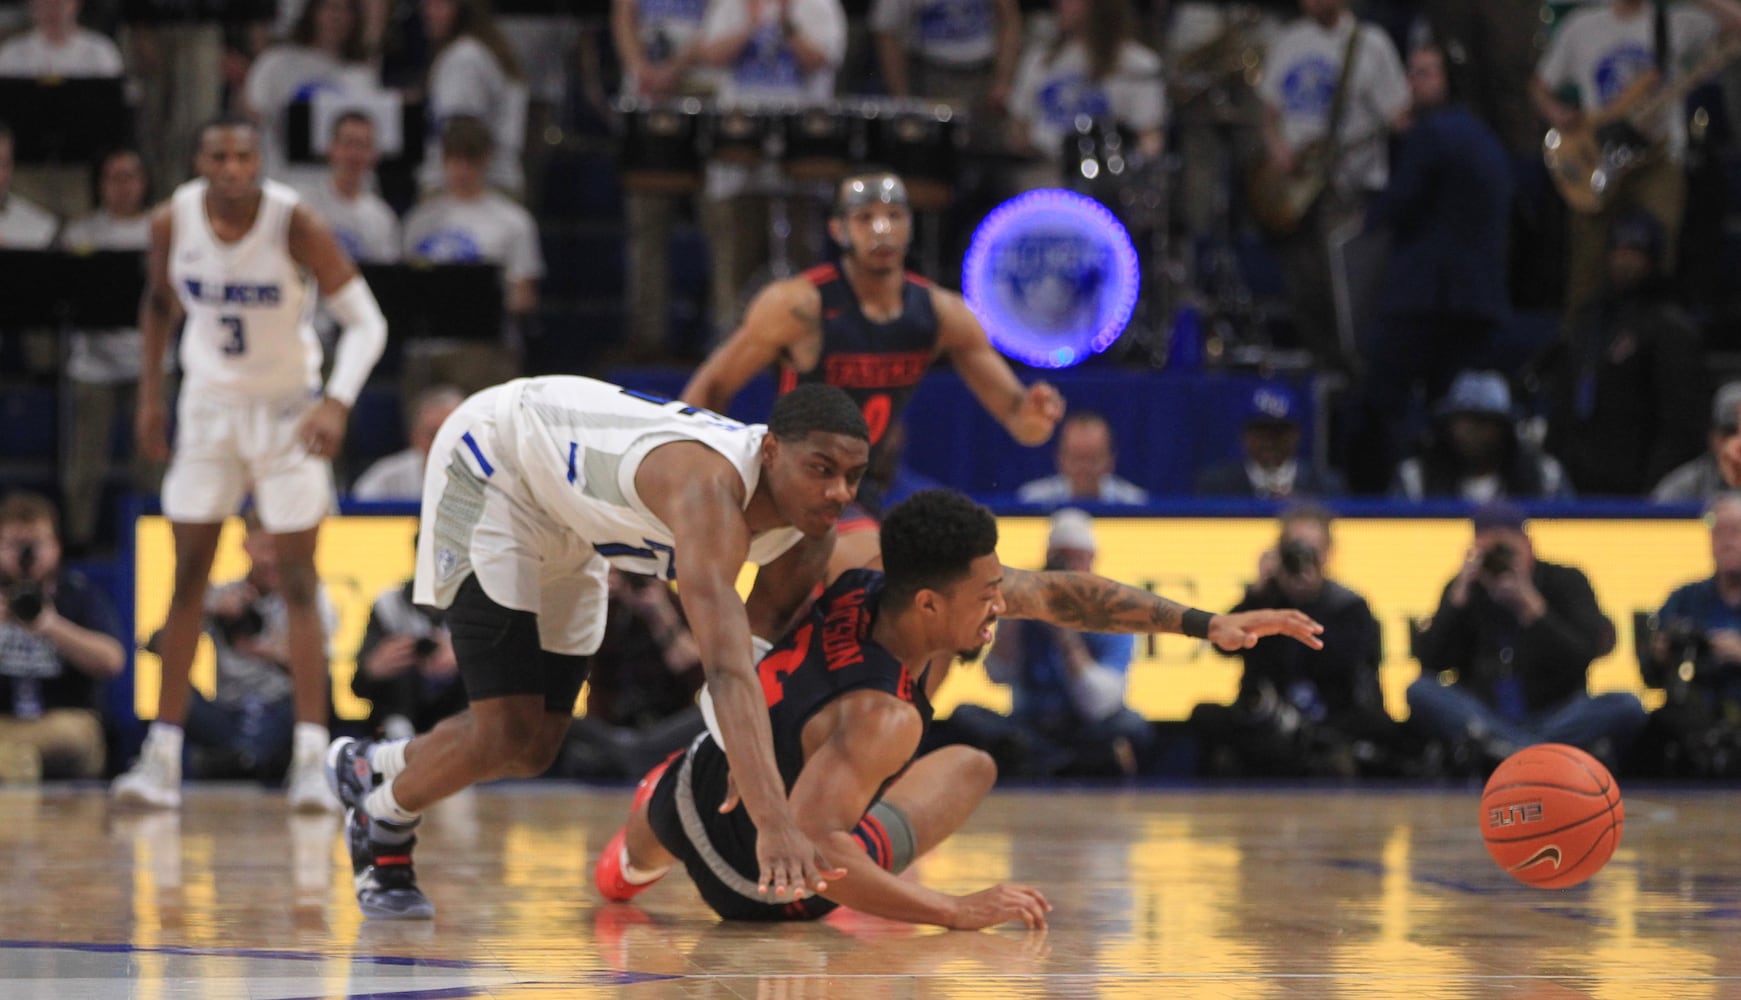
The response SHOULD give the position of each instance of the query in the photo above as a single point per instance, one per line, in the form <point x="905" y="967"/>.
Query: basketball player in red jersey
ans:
<point x="872" y="328"/>
<point x="848" y="692"/>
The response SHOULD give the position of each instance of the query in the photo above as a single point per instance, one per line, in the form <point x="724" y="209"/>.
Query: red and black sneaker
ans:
<point x="607" y="875"/>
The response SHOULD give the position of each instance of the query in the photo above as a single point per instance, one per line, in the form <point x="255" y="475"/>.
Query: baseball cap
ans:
<point x="1272" y="403"/>
<point x="1482" y="393"/>
<point x="1071" y="529"/>
<point x="1724" y="405"/>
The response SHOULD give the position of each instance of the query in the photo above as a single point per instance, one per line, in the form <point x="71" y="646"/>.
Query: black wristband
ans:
<point x="1195" y="623"/>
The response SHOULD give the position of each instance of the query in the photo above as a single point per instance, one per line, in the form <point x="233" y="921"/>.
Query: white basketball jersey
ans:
<point x="249" y="305"/>
<point x="578" y="443"/>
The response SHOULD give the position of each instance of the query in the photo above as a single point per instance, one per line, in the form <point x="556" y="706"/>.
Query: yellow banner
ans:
<point x="1400" y="566"/>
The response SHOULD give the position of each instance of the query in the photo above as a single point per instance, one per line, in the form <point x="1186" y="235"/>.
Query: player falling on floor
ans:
<point x="872" y="328"/>
<point x="848" y="692"/>
<point x="235" y="255"/>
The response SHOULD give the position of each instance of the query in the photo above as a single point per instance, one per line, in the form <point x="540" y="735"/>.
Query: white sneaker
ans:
<point x="154" y="779"/>
<point x="308" y="790"/>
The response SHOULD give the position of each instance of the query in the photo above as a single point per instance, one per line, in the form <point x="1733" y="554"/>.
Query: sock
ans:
<point x="311" y="739"/>
<point x="636" y="876"/>
<point x="385" y="810"/>
<point x="167" y="735"/>
<point x="388" y="759"/>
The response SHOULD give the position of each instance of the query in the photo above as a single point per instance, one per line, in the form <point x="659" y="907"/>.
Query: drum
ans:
<point x="821" y="143"/>
<point x="661" y="147"/>
<point x="922" y="145"/>
<point x="741" y="135"/>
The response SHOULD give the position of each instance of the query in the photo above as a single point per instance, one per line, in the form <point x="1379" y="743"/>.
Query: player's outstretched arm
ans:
<point x="1095" y="604"/>
<point x="1030" y="414"/>
<point x="159" y="312"/>
<point x="874" y="736"/>
<point x="782" y="315"/>
<point x="363" y="333"/>
<point x="695" y="492"/>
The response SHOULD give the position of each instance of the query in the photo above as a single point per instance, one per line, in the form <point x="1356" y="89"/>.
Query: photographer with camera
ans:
<point x="246" y="730"/>
<point x="59" y="640"/>
<point x="406" y="667"/>
<point x="1694" y="656"/>
<point x="1304" y="712"/>
<point x="1505" y="659"/>
<point x="1068" y="714"/>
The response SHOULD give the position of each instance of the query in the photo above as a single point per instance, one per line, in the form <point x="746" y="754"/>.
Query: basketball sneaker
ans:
<point x="385" y="882"/>
<point x="308" y="788"/>
<point x="608" y="874"/>
<point x="154" y="780"/>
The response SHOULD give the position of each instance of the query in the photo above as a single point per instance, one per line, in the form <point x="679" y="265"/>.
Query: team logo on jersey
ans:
<point x="446" y="561"/>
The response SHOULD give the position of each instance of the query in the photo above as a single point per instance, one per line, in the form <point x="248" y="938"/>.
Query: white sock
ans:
<point x="388" y="759"/>
<point x="636" y="876"/>
<point x="167" y="735"/>
<point x="311" y="739"/>
<point x="384" y="808"/>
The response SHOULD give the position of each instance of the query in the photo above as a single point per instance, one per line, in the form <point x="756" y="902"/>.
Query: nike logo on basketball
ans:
<point x="1550" y="852"/>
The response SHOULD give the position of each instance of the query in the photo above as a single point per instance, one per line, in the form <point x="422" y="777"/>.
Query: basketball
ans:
<point x="1551" y="815"/>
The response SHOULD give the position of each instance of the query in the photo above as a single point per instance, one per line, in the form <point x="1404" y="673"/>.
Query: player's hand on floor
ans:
<point x="1001" y="904"/>
<point x="323" y="428"/>
<point x="790" y="866"/>
<point x="1243" y="630"/>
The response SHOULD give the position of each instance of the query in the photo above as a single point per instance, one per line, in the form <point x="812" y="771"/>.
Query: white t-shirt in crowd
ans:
<point x="1300" y="75"/>
<point x="398" y="476"/>
<point x="106" y="357"/>
<point x="25" y="225"/>
<point x="1050" y="93"/>
<point x="954" y="33"/>
<point x="466" y="79"/>
<point x="1600" y="53"/>
<point x="365" y="225"/>
<point x="86" y="54"/>
<point x="491" y="229"/>
<point x="284" y="75"/>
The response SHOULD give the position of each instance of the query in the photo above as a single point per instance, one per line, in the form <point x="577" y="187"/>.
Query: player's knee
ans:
<point x="539" y="752"/>
<point x="501" y="746"/>
<point x="978" y="769"/>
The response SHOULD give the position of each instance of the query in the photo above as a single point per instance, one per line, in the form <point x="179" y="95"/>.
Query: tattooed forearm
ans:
<point x="1089" y="602"/>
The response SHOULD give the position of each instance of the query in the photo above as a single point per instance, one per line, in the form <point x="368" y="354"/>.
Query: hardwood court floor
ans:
<point x="1159" y="893"/>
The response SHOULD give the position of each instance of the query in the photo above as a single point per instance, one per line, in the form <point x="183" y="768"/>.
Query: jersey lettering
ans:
<point x="233" y="294"/>
<point x="781" y="664"/>
<point x="841" y="646"/>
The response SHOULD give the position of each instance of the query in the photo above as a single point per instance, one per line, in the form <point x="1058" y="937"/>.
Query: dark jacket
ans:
<point x="1229" y="479"/>
<point x="1629" y="396"/>
<point x="1483" y="642"/>
<point x="33" y="674"/>
<point x="1344" y="674"/>
<point x="1448" y="207"/>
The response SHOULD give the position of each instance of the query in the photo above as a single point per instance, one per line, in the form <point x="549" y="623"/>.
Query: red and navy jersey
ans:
<point x="878" y="364"/>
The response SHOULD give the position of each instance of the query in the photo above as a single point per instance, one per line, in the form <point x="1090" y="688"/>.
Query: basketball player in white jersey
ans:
<point x="534" y="489"/>
<point x="242" y="261"/>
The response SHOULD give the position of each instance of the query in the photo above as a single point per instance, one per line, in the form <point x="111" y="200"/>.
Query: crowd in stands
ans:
<point x="1483" y="335"/>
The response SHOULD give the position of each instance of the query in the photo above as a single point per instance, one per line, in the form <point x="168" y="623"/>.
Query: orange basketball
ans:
<point x="1551" y="815"/>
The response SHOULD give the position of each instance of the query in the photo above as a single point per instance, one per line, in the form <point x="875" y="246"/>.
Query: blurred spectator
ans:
<point x="1092" y="67"/>
<point x="1271" y="467"/>
<point x="1719" y="469"/>
<point x="175" y="51"/>
<point x="1085" y="458"/>
<point x="325" y="55"/>
<point x="60" y="639"/>
<point x="1628" y="389"/>
<point x="771" y="53"/>
<point x="1067" y="687"/>
<point x="24" y="225"/>
<point x="658" y="42"/>
<point x="363" y="223"/>
<point x="55" y="45"/>
<point x="406" y="667"/>
<point x="1505" y="657"/>
<point x="465" y="222"/>
<point x="1694" y="657"/>
<point x="640" y="701"/>
<point x="1445" y="211"/>
<point x="1303" y="82"/>
<point x="963" y="52"/>
<point x="1599" y="52"/>
<point x="245" y="731"/>
<point x="1303" y="711"/>
<point x="475" y="75"/>
<point x="1474" y="452"/>
<point x="399" y="476"/>
<point x="1494" y="45"/>
<point x="102" y="368"/>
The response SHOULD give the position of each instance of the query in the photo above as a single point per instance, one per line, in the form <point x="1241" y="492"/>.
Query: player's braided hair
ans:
<point x="931" y="539"/>
<point x="816" y="407"/>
